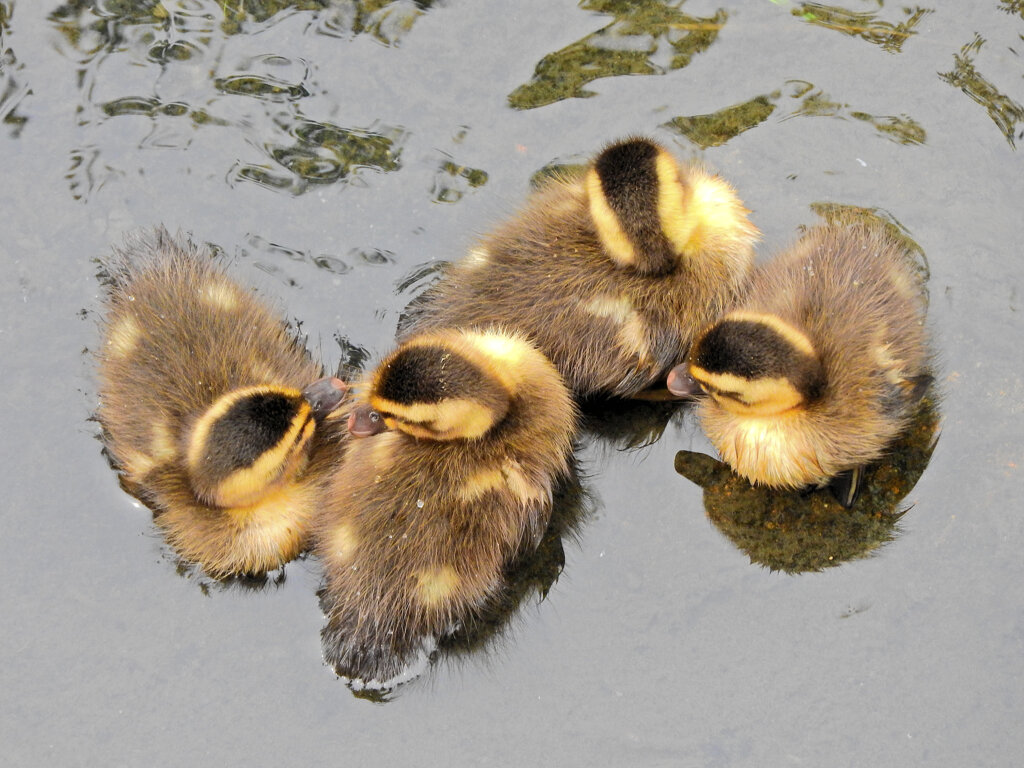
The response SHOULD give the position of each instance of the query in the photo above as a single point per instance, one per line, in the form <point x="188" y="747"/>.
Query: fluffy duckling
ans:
<point x="212" y="410"/>
<point x="610" y="272"/>
<point x="423" y="518"/>
<point x="821" y="367"/>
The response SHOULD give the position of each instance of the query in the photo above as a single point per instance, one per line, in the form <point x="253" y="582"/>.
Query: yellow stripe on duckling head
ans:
<point x="717" y="218"/>
<point x="273" y="467"/>
<point x="678" y="221"/>
<point x="450" y="419"/>
<point x="749" y="397"/>
<point x="279" y="462"/>
<point x="609" y="231"/>
<point x="790" y="333"/>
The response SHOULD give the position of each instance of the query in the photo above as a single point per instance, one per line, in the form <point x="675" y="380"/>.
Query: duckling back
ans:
<point x="823" y="364"/>
<point x="422" y="519"/>
<point x="610" y="272"/>
<point x="203" y="410"/>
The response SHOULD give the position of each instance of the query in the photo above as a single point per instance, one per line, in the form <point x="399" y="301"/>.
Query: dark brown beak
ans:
<point x="324" y="395"/>
<point x="681" y="384"/>
<point x="363" y="421"/>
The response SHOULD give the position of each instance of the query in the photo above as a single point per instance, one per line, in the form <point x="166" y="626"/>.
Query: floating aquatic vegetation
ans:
<point x="452" y="181"/>
<point x="1004" y="111"/>
<point x="866" y="26"/>
<point x="647" y="37"/>
<point x="1012" y="6"/>
<point x="716" y="128"/>
<point x="13" y="90"/>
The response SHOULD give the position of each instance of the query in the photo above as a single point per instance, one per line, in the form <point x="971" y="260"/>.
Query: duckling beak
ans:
<point x="324" y="395"/>
<point x="363" y="421"/>
<point x="681" y="384"/>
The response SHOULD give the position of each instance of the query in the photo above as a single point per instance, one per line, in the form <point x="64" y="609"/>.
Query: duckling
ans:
<point x="423" y="517"/>
<point x="821" y="367"/>
<point x="610" y="271"/>
<point x="212" y="410"/>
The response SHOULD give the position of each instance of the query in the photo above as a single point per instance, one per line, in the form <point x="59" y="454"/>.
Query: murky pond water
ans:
<point x="336" y="149"/>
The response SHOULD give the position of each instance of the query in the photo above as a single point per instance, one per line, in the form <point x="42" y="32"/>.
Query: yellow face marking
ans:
<point x="447" y="420"/>
<point x="279" y="463"/>
<point x="123" y="337"/>
<point x="796" y="338"/>
<point x="437" y="586"/>
<point x="609" y="231"/>
<point x="632" y="334"/>
<point x="274" y="466"/>
<point x="748" y="397"/>
<point x="677" y="220"/>
<point x="163" y="446"/>
<point x="222" y="296"/>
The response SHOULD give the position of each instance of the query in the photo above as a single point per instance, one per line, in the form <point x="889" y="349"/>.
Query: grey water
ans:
<point x="335" y="150"/>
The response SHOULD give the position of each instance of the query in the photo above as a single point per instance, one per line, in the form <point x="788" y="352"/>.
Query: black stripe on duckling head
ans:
<point x="757" y="365"/>
<point x="628" y="186"/>
<point x="430" y="390"/>
<point x="246" y="442"/>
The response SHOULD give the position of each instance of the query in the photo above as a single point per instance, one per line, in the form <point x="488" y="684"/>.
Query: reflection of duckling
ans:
<point x="203" y="412"/>
<point x="797" y="531"/>
<point x="423" y="518"/>
<point x="821" y="366"/>
<point x="610" y="272"/>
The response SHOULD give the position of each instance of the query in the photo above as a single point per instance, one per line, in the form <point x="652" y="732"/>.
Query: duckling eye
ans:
<point x="364" y="421"/>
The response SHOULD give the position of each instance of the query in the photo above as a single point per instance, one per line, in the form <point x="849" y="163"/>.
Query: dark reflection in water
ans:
<point x="628" y="424"/>
<point x="13" y="90"/>
<point x="864" y="25"/>
<point x="192" y="85"/>
<point x="717" y="128"/>
<point x="530" y="576"/>
<point x="1004" y="111"/>
<point x="647" y="37"/>
<point x="799" y="531"/>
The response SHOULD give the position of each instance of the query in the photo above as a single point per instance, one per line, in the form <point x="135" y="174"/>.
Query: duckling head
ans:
<point x="442" y="386"/>
<point x="253" y="439"/>
<point x="754" y="365"/>
<point x="649" y="213"/>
